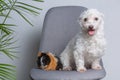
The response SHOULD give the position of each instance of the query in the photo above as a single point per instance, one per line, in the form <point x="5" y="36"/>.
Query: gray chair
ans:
<point x="60" y="25"/>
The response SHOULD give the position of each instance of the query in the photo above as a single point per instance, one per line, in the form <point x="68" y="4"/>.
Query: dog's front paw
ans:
<point x="97" y="67"/>
<point x="67" y="68"/>
<point x="83" y="69"/>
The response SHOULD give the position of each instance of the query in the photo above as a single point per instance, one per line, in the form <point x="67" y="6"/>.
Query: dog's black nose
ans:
<point x="90" y="26"/>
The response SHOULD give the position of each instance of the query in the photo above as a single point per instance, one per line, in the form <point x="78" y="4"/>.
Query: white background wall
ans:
<point x="29" y="37"/>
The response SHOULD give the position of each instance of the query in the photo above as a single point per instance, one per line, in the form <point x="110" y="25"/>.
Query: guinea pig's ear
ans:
<point x="39" y="54"/>
<point x="49" y="53"/>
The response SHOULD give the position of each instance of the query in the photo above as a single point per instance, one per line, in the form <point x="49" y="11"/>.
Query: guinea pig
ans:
<point x="47" y="61"/>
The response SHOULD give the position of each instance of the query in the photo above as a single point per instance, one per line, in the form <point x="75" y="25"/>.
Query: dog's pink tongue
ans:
<point x="91" y="32"/>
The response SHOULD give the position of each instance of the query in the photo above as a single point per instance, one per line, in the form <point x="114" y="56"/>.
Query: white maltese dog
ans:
<point x="88" y="46"/>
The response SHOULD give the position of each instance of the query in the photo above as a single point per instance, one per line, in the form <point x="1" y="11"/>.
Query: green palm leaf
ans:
<point x="10" y="1"/>
<point x="5" y="28"/>
<point x="39" y="0"/>
<point x="7" y="72"/>
<point x="4" y="15"/>
<point x="6" y="46"/>
<point x="23" y="17"/>
<point x="27" y="9"/>
<point x="7" y="25"/>
<point x="24" y="4"/>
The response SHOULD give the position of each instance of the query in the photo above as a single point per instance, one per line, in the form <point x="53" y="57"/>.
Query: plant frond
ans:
<point x="5" y="29"/>
<point x="7" y="72"/>
<point x="24" y="4"/>
<point x="11" y="1"/>
<point x="4" y="15"/>
<point x="4" y="4"/>
<point x="6" y="46"/>
<point x="27" y="9"/>
<point x="7" y="25"/>
<point x="23" y="17"/>
<point x="39" y="0"/>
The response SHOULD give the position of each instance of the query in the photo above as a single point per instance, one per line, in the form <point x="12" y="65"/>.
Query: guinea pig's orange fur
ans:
<point x="53" y="63"/>
<point x="39" y="54"/>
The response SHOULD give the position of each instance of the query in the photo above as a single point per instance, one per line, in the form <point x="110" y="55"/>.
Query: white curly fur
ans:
<point x="86" y="48"/>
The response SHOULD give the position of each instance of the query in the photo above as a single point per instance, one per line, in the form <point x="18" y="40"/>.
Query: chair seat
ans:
<point x="38" y="74"/>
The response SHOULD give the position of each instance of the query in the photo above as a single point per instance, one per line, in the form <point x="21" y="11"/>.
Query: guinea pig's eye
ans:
<point x="85" y="19"/>
<point x="44" y="61"/>
<point x="96" y="19"/>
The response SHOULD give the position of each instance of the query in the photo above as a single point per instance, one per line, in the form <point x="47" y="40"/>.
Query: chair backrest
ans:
<point x="60" y="25"/>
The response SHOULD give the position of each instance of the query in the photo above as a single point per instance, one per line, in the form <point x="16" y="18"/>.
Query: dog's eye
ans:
<point x="85" y="19"/>
<point x="96" y="18"/>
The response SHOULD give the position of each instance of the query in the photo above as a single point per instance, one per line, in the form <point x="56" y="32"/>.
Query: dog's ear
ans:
<point x="81" y="17"/>
<point x="79" y="20"/>
<point x="39" y="54"/>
